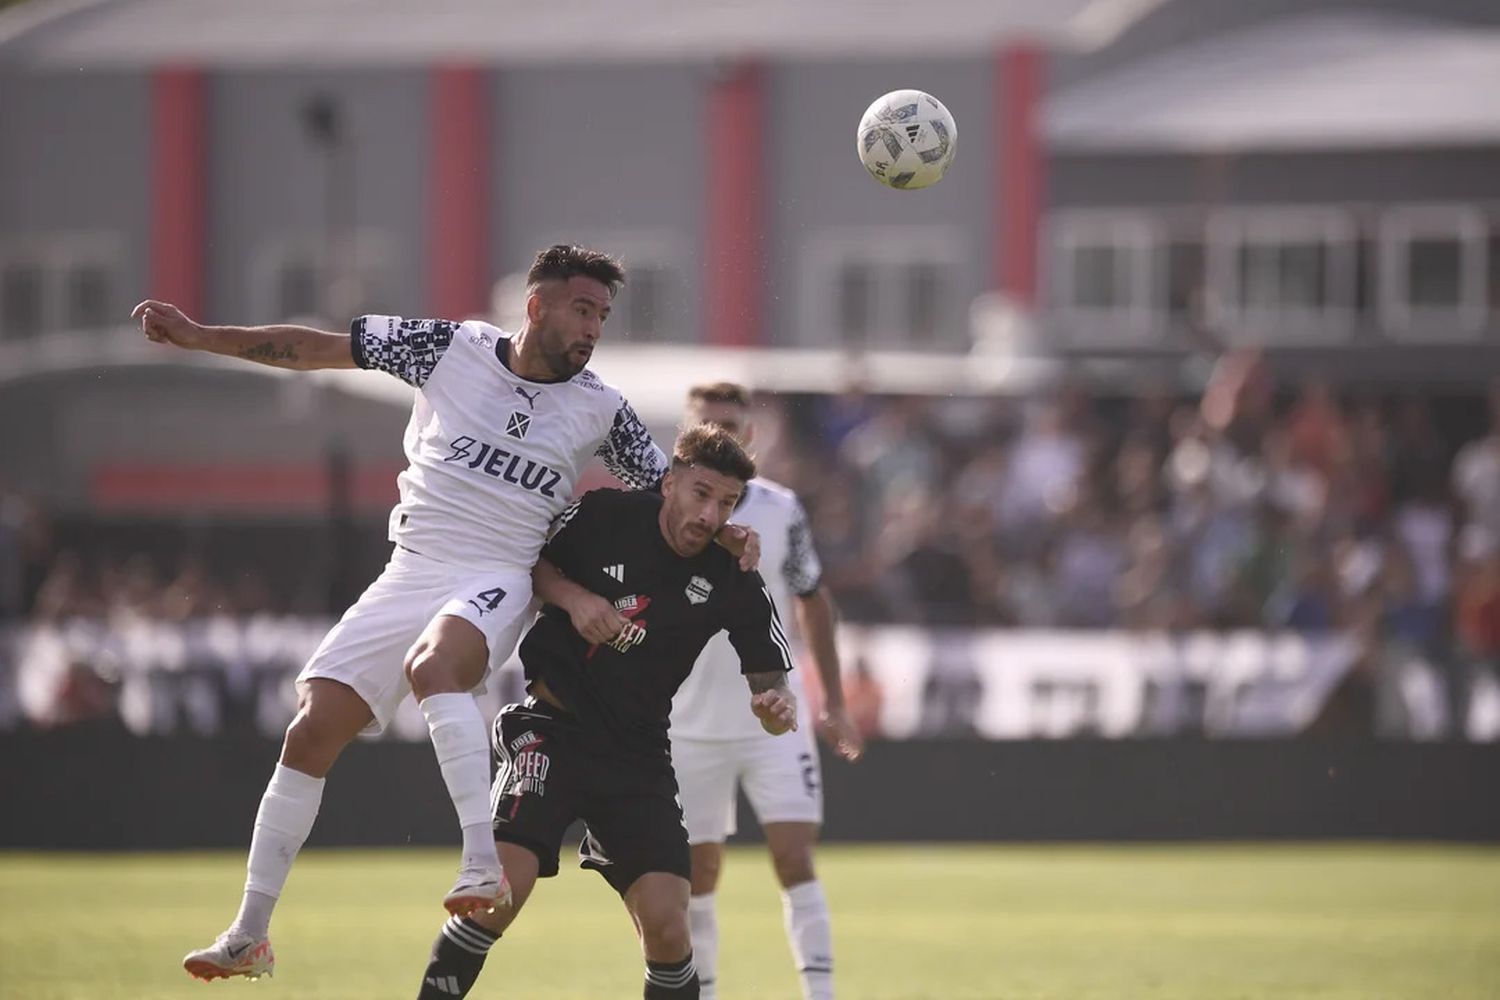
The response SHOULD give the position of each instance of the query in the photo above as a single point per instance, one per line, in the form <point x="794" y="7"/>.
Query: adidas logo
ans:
<point x="616" y="572"/>
<point x="912" y="131"/>
<point x="445" y="984"/>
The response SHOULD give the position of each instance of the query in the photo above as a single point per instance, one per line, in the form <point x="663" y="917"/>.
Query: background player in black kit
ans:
<point x="634" y="591"/>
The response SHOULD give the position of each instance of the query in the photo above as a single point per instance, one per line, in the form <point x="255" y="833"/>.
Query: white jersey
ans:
<point x="492" y="457"/>
<point x="714" y="702"/>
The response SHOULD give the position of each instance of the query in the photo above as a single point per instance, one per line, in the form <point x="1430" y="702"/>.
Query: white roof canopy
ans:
<point x="1312" y="82"/>
<point x="102" y="33"/>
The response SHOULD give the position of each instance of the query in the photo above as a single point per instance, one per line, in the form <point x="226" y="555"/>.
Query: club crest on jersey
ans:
<point x="698" y="590"/>
<point x="518" y="425"/>
<point x="527" y="473"/>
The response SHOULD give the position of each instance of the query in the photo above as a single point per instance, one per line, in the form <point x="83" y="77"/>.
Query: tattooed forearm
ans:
<point x="269" y="352"/>
<point x="770" y="680"/>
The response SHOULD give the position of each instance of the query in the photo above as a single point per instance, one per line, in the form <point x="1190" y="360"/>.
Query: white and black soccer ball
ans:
<point x="907" y="140"/>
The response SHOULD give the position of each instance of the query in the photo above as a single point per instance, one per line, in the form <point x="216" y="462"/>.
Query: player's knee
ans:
<point x="430" y="669"/>
<point x="793" y="864"/>
<point x="664" y="932"/>
<point x="707" y="864"/>
<point x="309" y="747"/>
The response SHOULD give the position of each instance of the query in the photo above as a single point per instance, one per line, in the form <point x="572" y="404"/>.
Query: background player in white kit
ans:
<point x="501" y="426"/>
<point x="714" y="751"/>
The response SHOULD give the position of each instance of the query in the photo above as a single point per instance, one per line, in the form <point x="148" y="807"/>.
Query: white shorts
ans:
<point x="367" y="648"/>
<point x="781" y="776"/>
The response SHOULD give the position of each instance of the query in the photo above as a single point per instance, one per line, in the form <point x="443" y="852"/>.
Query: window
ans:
<point x="1492" y="259"/>
<point x="58" y="282"/>
<point x="1186" y="278"/>
<point x="299" y="289"/>
<point x="652" y="306"/>
<point x="893" y="304"/>
<point x="856" y="294"/>
<point x="1284" y="274"/>
<point x="1433" y="270"/>
<point x="1106" y="271"/>
<point x="888" y="289"/>
<point x="648" y="308"/>
<point x="22" y="310"/>
<point x="89" y="298"/>
<point x="924" y="287"/>
<point x="1102" y="277"/>
<point x="1366" y="276"/>
<point x="291" y="279"/>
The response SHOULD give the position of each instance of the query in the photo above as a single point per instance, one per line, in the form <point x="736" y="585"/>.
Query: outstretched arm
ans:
<point x="816" y="619"/>
<point x="284" y="346"/>
<point x="772" y="701"/>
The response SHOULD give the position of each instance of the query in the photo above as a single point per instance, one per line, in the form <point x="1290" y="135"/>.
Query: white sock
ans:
<point x="703" y="923"/>
<point x="285" y="818"/>
<point x="462" y="745"/>
<point x="811" y="936"/>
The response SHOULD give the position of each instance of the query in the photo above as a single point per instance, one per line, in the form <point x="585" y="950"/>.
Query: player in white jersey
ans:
<point x="501" y="426"/>
<point x="714" y="752"/>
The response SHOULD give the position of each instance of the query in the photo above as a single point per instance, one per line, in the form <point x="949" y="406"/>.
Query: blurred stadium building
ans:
<point x="1167" y="414"/>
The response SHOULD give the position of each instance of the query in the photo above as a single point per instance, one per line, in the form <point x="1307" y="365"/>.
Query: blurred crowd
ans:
<point x="1248" y="506"/>
<point x="1244" y="507"/>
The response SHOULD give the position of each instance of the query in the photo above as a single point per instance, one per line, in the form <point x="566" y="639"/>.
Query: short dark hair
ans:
<point x="710" y="446"/>
<point x="562" y="261"/>
<point x="720" y="392"/>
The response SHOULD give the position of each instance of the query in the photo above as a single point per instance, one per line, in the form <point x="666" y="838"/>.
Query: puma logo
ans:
<point x="530" y="397"/>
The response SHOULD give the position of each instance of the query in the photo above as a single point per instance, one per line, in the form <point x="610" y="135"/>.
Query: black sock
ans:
<point x="671" y="980"/>
<point x="457" y="956"/>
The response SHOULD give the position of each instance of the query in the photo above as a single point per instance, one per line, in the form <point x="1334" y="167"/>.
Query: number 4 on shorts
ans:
<point x="487" y="600"/>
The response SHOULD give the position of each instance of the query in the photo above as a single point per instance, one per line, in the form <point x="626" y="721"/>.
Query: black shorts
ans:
<point x="548" y="775"/>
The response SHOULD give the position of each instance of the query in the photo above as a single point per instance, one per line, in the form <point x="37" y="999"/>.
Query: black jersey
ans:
<point x="610" y="542"/>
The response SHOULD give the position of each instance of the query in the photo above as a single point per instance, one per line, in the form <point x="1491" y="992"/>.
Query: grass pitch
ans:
<point x="956" y="923"/>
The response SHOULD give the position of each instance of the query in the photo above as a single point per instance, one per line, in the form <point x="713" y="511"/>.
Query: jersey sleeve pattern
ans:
<point x="629" y="453"/>
<point x="406" y="348"/>
<point x="564" y="541"/>
<point x="802" y="568"/>
<point x="758" y="637"/>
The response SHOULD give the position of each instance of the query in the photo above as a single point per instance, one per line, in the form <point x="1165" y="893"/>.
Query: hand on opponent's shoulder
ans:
<point x="742" y="542"/>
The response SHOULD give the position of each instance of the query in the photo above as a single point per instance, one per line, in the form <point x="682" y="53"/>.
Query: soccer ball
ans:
<point x="907" y="140"/>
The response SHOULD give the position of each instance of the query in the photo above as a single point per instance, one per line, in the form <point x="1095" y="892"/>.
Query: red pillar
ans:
<point x="178" y="187"/>
<point x="734" y="265"/>
<point x="458" y="277"/>
<point x="1019" y="85"/>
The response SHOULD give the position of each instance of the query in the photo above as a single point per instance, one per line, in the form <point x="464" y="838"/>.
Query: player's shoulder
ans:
<point x="771" y="492"/>
<point x="485" y="336"/>
<point x="723" y="567"/>
<point x="768" y="506"/>
<point x="598" y="396"/>
<point x="611" y="500"/>
<point x="589" y="381"/>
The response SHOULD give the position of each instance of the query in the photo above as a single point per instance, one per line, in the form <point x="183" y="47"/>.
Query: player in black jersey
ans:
<point x="634" y="591"/>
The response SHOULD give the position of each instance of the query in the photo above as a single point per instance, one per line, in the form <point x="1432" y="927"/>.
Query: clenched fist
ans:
<point x="164" y="323"/>
<point x="776" y="710"/>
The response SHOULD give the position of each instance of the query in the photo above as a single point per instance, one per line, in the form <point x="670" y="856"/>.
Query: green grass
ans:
<point x="1082" y="923"/>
